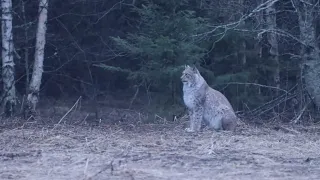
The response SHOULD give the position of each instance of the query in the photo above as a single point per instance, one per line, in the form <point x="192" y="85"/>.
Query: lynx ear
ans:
<point x="194" y="69"/>
<point x="186" y="66"/>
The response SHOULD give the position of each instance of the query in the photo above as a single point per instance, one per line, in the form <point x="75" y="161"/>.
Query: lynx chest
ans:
<point x="190" y="97"/>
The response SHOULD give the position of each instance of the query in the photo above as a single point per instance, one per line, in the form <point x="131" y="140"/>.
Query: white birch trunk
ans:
<point x="34" y="87"/>
<point x="307" y="13"/>
<point x="8" y="76"/>
<point x="271" y="22"/>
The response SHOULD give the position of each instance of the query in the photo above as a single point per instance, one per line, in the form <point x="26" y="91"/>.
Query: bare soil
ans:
<point x="158" y="151"/>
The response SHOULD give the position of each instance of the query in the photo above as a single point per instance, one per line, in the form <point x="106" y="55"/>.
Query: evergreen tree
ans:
<point x="165" y="40"/>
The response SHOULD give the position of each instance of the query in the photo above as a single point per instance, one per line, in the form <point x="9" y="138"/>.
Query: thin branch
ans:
<point x="256" y="84"/>
<point x="235" y="24"/>
<point x="107" y="12"/>
<point x="74" y="105"/>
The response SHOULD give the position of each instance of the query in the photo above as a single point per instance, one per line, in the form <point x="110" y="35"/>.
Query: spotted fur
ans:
<point x="205" y="103"/>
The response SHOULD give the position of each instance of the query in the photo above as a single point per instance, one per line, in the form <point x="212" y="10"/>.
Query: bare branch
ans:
<point x="235" y="24"/>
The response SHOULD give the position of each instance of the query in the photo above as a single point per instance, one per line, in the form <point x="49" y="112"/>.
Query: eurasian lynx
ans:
<point x="203" y="102"/>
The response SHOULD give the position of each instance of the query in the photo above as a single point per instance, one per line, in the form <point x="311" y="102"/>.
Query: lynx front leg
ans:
<point x="195" y="120"/>
<point x="190" y="128"/>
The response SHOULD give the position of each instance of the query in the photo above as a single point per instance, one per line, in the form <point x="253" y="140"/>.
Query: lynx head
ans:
<point x="190" y="76"/>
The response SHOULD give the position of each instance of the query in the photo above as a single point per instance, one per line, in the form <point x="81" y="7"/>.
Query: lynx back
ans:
<point x="205" y="103"/>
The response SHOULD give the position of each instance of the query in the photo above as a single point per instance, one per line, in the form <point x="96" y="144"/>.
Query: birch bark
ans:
<point x="8" y="70"/>
<point x="34" y="87"/>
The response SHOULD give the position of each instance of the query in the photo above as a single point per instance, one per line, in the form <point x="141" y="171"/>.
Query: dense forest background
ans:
<point x="262" y="54"/>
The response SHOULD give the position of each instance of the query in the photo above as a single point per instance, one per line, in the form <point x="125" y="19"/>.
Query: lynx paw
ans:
<point x="189" y="130"/>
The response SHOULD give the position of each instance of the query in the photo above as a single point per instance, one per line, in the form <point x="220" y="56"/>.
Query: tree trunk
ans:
<point x="26" y="44"/>
<point x="258" y="45"/>
<point x="307" y="13"/>
<point x="271" y="22"/>
<point x="34" y="87"/>
<point x="243" y="44"/>
<point x="243" y="56"/>
<point x="8" y="76"/>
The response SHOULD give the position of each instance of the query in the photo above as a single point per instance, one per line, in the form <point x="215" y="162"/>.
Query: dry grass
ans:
<point x="157" y="152"/>
<point x="120" y="146"/>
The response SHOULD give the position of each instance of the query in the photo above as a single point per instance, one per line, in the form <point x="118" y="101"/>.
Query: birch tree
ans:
<point x="8" y="71"/>
<point x="307" y="13"/>
<point x="34" y="87"/>
<point x="271" y="23"/>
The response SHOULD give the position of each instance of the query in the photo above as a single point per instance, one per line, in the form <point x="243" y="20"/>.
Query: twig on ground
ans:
<point x="156" y="116"/>
<point x="20" y="154"/>
<point x="22" y="104"/>
<point x="102" y="170"/>
<point x="86" y="167"/>
<point x="297" y="119"/>
<point x="134" y="97"/>
<point x="85" y="118"/>
<point x="74" y="105"/>
<point x="289" y="130"/>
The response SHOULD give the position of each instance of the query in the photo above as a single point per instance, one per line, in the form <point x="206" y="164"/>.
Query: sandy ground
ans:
<point x="158" y="151"/>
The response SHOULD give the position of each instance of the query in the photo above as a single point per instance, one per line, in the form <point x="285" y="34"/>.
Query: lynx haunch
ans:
<point x="205" y="103"/>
